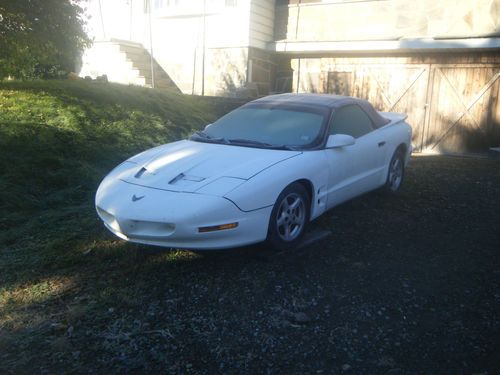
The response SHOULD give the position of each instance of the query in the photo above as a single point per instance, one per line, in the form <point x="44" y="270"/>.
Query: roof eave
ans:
<point x="399" y="45"/>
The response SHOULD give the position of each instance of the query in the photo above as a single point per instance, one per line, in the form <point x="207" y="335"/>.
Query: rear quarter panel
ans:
<point x="396" y="135"/>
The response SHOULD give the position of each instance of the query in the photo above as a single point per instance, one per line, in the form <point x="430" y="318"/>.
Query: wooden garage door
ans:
<point x="464" y="111"/>
<point x="451" y="107"/>
<point x="390" y="88"/>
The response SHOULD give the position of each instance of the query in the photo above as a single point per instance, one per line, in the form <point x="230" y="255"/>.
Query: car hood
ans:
<point x="188" y="166"/>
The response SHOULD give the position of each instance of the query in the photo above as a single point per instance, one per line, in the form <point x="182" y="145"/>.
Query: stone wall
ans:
<point x="387" y="19"/>
<point x="225" y="71"/>
<point x="263" y="71"/>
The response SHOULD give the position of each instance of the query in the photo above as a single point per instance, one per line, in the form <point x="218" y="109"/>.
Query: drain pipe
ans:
<point x="102" y="20"/>
<point x="203" y="55"/>
<point x="131" y="15"/>
<point x="151" y="48"/>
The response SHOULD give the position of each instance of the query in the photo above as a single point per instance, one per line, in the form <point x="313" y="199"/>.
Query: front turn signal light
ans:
<point x="217" y="227"/>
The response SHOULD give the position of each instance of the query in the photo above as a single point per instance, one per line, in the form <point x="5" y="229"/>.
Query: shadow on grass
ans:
<point x="79" y="294"/>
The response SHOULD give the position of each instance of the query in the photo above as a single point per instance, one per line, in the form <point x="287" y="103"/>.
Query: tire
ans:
<point x="289" y="218"/>
<point x="396" y="172"/>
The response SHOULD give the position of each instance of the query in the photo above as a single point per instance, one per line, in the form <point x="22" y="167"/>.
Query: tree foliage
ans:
<point x="40" y="38"/>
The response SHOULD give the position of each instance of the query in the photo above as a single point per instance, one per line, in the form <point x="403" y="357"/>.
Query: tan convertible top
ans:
<point x="333" y="102"/>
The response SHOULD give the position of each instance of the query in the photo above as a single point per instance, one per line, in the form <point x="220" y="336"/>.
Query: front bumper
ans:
<point x="171" y="219"/>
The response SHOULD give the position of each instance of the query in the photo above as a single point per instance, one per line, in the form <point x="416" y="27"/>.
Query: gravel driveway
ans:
<point x="405" y="284"/>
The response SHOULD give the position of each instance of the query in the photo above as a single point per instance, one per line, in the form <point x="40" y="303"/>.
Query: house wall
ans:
<point x="341" y="20"/>
<point x="210" y="47"/>
<point x="191" y="46"/>
<point x="117" y="19"/>
<point x="436" y="60"/>
<point x="261" y="23"/>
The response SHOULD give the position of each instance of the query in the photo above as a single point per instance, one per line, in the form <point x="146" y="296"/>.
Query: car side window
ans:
<point x="351" y="120"/>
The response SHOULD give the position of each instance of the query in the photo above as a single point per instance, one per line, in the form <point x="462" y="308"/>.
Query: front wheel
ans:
<point x="289" y="218"/>
<point x="396" y="172"/>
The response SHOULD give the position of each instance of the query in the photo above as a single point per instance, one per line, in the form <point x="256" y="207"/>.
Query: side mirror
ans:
<point x="206" y="127"/>
<point x="340" y="140"/>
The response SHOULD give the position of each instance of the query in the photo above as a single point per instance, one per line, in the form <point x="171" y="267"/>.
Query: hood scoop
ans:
<point x="140" y="173"/>
<point x="182" y="177"/>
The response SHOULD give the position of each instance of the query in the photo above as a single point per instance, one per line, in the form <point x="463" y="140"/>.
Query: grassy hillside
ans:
<point x="57" y="141"/>
<point x="59" y="138"/>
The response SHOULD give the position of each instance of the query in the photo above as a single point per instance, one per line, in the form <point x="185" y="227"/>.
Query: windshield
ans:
<point x="263" y="126"/>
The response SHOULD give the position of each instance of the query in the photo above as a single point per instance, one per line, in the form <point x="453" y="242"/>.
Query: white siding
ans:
<point x="261" y="28"/>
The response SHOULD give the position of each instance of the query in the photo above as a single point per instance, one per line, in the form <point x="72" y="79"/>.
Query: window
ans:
<point x="163" y="4"/>
<point x="158" y="4"/>
<point x="274" y="126"/>
<point x="351" y="120"/>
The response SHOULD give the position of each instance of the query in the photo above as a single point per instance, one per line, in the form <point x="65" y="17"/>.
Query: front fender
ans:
<point x="263" y="189"/>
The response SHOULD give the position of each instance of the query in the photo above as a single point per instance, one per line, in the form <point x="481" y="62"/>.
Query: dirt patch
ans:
<point x="405" y="284"/>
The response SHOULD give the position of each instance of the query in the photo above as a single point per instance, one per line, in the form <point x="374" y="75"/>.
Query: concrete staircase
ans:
<point x="124" y="62"/>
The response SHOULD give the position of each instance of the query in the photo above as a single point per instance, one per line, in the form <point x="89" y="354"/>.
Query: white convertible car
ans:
<point x="261" y="172"/>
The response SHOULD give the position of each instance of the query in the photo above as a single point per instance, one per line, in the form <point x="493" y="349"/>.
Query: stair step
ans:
<point x="133" y="50"/>
<point x="144" y="62"/>
<point x="159" y="74"/>
<point x="132" y="64"/>
<point x="159" y="82"/>
<point x="146" y="65"/>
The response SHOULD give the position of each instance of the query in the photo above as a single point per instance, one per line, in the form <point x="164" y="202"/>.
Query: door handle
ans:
<point x="380" y="144"/>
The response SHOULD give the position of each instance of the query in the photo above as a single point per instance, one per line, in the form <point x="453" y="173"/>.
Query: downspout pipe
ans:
<point x="151" y="47"/>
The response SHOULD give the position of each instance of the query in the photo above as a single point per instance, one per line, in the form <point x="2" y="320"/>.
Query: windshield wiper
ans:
<point x="258" y="144"/>
<point x="201" y="135"/>
<point x="204" y="137"/>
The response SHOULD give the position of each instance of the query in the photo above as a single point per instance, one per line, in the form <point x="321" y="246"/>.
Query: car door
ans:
<point x="354" y="169"/>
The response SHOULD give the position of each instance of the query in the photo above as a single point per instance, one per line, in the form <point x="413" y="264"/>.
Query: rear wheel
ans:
<point x="289" y="217"/>
<point x="396" y="172"/>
